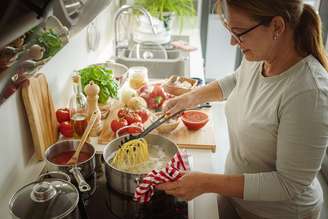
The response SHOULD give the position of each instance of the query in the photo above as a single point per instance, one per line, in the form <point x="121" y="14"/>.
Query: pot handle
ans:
<point x="138" y="180"/>
<point x="83" y="185"/>
<point x="56" y="175"/>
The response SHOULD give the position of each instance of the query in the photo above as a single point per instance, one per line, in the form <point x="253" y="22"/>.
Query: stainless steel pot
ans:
<point x="80" y="171"/>
<point x="46" y="198"/>
<point x="126" y="182"/>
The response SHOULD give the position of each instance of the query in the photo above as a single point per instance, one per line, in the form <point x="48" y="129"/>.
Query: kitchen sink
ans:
<point x="177" y="62"/>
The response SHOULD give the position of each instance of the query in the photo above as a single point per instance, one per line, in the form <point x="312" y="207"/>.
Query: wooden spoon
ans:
<point x="84" y="137"/>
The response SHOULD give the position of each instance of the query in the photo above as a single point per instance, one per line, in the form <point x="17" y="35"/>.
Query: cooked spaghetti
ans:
<point x="131" y="154"/>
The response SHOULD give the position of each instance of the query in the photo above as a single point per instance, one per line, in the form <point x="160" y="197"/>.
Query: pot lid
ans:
<point x="50" y="198"/>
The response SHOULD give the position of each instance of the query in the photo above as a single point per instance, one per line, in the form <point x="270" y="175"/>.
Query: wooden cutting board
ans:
<point x="201" y="139"/>
<point x="41" y="113"/>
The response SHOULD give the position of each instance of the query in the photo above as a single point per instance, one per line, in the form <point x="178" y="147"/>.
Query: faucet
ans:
<point x="117" y="15"/>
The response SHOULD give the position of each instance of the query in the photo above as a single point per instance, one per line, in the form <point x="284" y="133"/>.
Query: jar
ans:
<point x="80" y="123"/>
<point x="138" y="77"/>
<point x="46" y="198"/>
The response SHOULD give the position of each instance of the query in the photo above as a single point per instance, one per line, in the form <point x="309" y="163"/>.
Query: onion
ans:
<point x="137" y="103"/>
<point x="126" y="94"/>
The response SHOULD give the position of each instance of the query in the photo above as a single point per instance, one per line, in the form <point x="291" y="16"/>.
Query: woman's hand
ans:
<point x="177" y="103"/>
<point x="187" y="187"/>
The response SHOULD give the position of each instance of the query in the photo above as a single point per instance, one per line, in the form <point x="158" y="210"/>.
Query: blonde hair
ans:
<point x="302" y="18"/>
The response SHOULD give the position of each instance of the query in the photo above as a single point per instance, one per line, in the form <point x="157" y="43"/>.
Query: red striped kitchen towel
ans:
<point x="172" y="172"/>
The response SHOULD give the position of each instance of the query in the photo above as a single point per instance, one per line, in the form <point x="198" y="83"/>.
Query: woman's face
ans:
<point x="257" y="44"/>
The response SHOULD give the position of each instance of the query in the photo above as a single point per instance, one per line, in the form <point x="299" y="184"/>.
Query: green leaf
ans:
<point x="50" y="41"/>
<point x="103" y="78"/>
<point x="179" y="7"/>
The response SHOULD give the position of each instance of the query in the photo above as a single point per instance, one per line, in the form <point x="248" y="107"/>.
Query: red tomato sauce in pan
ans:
<point x="63" y="157"/>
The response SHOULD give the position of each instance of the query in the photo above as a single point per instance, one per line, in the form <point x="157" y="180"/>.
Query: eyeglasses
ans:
<point x="237" y="36"/>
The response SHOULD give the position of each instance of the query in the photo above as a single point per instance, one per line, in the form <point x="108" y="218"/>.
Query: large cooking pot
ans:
<point x="81" y="170"/>
<point x="46" y="198"/>
<point x="126" y="182"/>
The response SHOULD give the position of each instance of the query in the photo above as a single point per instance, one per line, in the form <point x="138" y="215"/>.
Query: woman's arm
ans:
<point x="208" y="93"/>
<point x="193" y="184"/>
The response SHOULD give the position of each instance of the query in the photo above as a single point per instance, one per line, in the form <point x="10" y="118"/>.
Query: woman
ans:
<point x="277" y="114"/>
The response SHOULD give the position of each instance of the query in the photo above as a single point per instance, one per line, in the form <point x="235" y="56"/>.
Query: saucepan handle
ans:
<point x="138" y="180"/>
<point x="83" y="185"/>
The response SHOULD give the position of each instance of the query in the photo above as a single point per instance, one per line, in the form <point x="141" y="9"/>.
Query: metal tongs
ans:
<point x="159" y="121"/>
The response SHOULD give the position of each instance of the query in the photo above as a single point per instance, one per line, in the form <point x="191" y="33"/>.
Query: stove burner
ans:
<point x="103" y="202"/>
<point x="108" y="204"/>
<point x="161" y="206"/>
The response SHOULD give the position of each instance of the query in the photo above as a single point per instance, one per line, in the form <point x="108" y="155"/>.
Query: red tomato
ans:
<point x="63" y="114"/>
<point x="143" y="114"/>
<point x="66" y="129"/>
<point x="133" y="117"/>
<point x="122" y="113"/>
<point x="137" y="129"/>
<point x="118" y="123"/>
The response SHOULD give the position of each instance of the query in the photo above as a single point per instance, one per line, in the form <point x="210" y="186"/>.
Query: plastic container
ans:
<point x="138" y="77"/>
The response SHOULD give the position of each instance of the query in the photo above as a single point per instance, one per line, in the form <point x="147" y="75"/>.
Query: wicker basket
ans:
<point x="171" y="88"/>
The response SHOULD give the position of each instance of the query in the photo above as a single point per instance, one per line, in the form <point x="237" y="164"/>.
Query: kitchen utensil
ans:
<point x="168" y="126"/>
<point x="93" y="37"/>
<point x="46" y="198"/>
<point x="40" y="112"/>
<point x="85" y="135"/>
<point x="79" y="171"/>
<point x="126" y="182"/>
<point x="158" y="122"/>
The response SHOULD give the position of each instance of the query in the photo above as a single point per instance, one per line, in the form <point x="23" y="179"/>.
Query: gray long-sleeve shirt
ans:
<point x="278" y="129"/>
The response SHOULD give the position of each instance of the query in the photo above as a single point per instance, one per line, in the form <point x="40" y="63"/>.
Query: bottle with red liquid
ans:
<point x="78" y="107"/>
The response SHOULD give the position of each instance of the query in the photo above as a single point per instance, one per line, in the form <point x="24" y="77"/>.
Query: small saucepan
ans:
<point x="59" y="153"/>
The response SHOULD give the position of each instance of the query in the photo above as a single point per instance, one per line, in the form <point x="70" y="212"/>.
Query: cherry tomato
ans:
<point x="63" y="114"/>
<point x="122" y="113"/>
<point x="118" y="123"/>
<point x="133" y="117"/>
<point x="66" y="129"/>
<point x="143" y="114"/>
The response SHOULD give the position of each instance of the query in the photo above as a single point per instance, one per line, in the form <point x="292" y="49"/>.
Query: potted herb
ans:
<point x="166" y="9"/>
